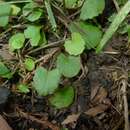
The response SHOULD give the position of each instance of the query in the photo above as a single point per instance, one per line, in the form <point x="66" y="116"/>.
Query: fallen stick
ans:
<point x="45" y="123"/>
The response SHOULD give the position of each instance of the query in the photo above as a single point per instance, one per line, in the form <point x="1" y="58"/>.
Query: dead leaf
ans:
<point x="3" y="124"/>
<point x="94" y="91"/>
<point x="5" y="53"/>
<point x="97" y="110"/>
<point x="101" y="94"/>
<point x="70" y="119"/>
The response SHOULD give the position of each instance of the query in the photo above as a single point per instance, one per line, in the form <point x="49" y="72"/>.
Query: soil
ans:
<point x="98" y="102"/>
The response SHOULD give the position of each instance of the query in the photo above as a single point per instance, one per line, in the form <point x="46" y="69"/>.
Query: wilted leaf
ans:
<point x="97" y="110"/>
<point x="46" y="82"/>
<point x="76" y="45"/>
<point x="100" y="95"/>
<point x="70" y="119"/>
<point x="69" y="66"/>
<point x="63" y="97"/>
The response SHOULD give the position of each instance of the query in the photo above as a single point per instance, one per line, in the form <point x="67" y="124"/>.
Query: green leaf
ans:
<point x="128" y="30"/>
<point x="32" y="12"/>
<point x="46" y="82"/>
<point x="4" y="71"/>
<point x="73" y="4"/>
<point x="69" y="66"/>
<point x="75" y="46"/>
<point x="15" y="9"/>
<point x="63" y="97"/>
<point x="29" y="64"/>
<point x="50" y="14"/>
<point x="35" y="15"/>
<point x="33" y="33"/>
<point x="17" y="41"/>
<point x="121" y="2"/>
<point x="90" y="33"/>
<point x="70" y="3"/>
<point x="114" y="26"/>
<point x="23" y="88"/>
<point x="43" y="40"/>
<point x="92" y="8"/>
<point x="5" y="10"/>
<point x="28" y="8"/>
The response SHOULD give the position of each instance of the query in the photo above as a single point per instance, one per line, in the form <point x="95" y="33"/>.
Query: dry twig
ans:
<point x="126" y="113"/>
<point x="45" y="123"/>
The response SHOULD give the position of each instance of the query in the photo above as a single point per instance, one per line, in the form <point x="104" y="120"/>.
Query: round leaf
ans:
<point x="92" y="8"/>
<point x="63" y="97"/>
<point x="90" y="33"/>
<point x="32" y="12"/>
<point x="46" y="82"/>
<point x="5" y="10"/>
<point x="69" y="66"/>
<point x="29" y="64"/>
<point x="35" y="15"/>
<point x="28" y="8"/>
<point x="17" y="41"/>
<point x="75" y="46"/>
<point x="33" y="33"/>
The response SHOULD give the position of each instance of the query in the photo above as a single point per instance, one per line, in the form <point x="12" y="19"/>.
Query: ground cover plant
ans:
<point x="64" y="64"/>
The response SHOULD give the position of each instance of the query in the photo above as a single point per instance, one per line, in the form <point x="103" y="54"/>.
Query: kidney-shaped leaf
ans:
<point x="17" y="41"/>
<point x="76" y="45"/>
<point x="29" y="64"/>
<point x="69" y="66"/>
<point x="92" y="8"/>
<point x="46" y="82"/>
<point x="5" y="10"/>
<point x="63" y="97"/>
<point x="33" y="33"/>
<point x="32" y="12"/>
<point x="90" y="33"/>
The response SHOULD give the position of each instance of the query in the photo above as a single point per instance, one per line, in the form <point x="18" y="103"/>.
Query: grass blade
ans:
<point x="114" y="26"/>
<point x="50" y="14"/>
